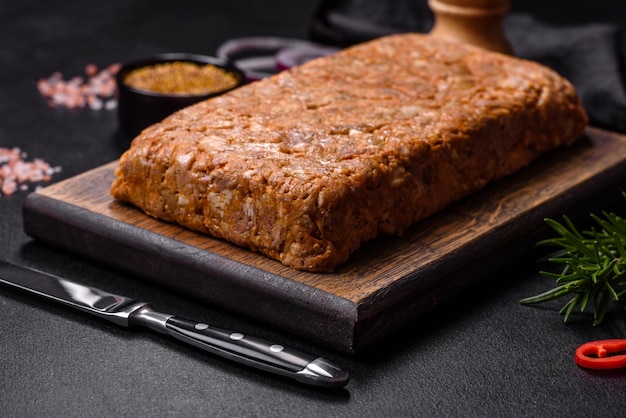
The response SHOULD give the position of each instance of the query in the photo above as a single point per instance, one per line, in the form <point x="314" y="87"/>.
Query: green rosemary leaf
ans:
<point x="611" y="223"/>
<point x="550" y="274"/>
<point x="605" y="225"/>
<point x="546" y="296"/>
<point x="572" y="238"/>
<point x="611" y="291"/>
<point x="554" y="293"/>
<point x="621" y="249"/>
<point x="560" y="258"/>
<point x="584" y="301"/>
<point x="572" y="228"/>
<point x="569" y="278"/>
<point x="579" y="268"/>
<point x="566" y="311"/>
<point x="600" y="310"/>
<point x="593" y="265"/>
<point x="602" y="271"/>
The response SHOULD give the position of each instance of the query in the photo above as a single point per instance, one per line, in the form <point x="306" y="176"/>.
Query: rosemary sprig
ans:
<point x="594" y="265"/>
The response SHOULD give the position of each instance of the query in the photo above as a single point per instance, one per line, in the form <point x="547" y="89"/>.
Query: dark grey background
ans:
<point x="480" y="355"/>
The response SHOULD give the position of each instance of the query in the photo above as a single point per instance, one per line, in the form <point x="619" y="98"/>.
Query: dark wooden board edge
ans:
<point x="205" y="276"/>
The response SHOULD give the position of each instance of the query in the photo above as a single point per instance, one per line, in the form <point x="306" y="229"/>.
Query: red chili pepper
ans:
<point x="602" y="354"/>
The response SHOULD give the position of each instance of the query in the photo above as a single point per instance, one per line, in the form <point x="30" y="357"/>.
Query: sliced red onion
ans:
<point x="259" y="57"/>
<point x="297" y="55"/>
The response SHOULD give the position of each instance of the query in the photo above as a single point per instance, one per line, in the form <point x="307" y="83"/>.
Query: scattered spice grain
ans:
<point x="181" y="78"/>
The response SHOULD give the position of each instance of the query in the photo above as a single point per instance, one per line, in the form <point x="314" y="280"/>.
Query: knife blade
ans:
<point x="121" y="310"/>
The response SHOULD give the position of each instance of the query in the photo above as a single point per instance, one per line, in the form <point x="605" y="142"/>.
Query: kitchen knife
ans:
<point x="237" y="346"/>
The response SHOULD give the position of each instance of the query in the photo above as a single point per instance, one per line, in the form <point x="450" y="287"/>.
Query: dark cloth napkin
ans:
<point x="589" y="56"/>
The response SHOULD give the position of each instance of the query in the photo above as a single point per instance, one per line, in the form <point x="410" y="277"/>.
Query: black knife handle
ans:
<point x="257" y="352"/>
<point x="249" y="350"/>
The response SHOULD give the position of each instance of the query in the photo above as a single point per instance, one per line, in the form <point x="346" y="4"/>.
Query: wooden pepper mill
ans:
<point x="476" y="22"/>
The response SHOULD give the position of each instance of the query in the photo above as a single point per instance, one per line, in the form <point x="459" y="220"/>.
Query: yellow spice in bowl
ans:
<point x="181" y="78"/>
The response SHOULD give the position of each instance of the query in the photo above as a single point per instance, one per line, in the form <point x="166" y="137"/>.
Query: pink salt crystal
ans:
<point x="77" y="91"/>
<point x="91" y="70"/>
<point x="16" y="173"/>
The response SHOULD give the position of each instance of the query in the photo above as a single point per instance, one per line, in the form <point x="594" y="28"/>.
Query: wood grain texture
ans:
<point x="386" y="284"/>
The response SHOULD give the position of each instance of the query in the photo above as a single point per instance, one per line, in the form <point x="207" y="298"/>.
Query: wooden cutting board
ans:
<point x="386" y="284"/>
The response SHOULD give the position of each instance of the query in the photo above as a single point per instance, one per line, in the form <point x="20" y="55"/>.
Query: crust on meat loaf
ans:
<point x="308" y="164"/>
